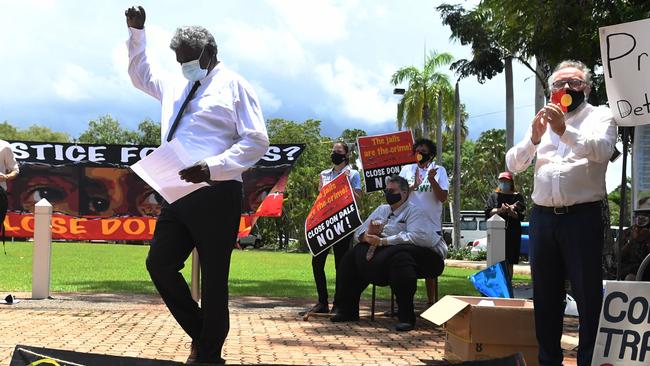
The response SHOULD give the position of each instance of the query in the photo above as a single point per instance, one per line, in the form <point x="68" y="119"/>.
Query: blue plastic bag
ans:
<point x="492" y="281"/>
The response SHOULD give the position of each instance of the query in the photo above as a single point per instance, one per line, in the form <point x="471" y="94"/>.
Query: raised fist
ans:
<point x="135" y="17"/>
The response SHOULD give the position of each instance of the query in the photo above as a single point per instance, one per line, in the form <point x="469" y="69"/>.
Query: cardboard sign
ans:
<point x="333" y="216"/>
<point x="625" y="51"/>
<point x="624" y="329"/>
<point x="384" y="155"/>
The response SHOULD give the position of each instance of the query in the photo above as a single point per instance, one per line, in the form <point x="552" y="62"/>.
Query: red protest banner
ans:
<point x="333" y="216"/>
<point x="384" y="155"/>
<point x="68" y="227"/>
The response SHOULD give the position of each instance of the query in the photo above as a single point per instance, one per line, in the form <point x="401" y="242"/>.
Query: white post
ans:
<point x="42" y="254"/>
<point x="496" y="240"/>
<point x="196" y="276"/>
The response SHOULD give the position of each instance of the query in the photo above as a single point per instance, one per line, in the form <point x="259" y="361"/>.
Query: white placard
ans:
<point x="624" y="328"/>
<point x="625" y="51"/>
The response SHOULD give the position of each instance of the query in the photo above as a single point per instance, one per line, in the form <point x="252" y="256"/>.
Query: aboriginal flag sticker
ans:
<point x="563" y="99"/>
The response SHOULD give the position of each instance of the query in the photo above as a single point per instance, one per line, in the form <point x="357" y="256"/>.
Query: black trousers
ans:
<point x="397" y="265"/>
<point x="207" y="219"/>
<point x="566" y="246"/>
<point x="318" y="266"/>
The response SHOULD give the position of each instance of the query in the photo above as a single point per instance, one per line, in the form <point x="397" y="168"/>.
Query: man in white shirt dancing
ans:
<point x="573" y="142"/>
<point x="217" y="118"/>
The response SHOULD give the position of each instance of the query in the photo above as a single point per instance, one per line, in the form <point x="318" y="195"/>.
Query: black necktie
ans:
<point x="170" y="135"/>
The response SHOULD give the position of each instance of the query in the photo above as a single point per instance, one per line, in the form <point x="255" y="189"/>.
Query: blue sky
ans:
<point x="65" y="61"/>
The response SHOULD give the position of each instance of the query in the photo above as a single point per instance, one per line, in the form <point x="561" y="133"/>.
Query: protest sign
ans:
<point x="96" y="197"/>
<point x="384" y="155"/>
<point x="624" y="329"/>
<point x="333" y="216"/>
<point x="625" y="50"/>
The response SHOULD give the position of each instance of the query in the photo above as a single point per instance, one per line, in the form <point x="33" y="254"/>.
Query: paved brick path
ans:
<point x="262" y="331"/>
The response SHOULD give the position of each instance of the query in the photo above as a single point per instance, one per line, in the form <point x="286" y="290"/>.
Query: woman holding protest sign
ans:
<point x="340" y="165"/>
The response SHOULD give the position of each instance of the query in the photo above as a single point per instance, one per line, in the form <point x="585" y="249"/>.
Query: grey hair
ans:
<point x="401" y="182"/>
<point x="193" y="36"/>
<point x="571" y="63"/>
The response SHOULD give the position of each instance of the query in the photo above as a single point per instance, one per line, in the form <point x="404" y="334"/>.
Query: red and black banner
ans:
<point x="96" y="197"/>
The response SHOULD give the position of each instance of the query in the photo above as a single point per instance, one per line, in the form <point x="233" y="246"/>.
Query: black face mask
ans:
<point x="423" y="158"/>
<point x="577" y="97"/>
<point x="338" y="158"/>
<point x="392" y="198"/>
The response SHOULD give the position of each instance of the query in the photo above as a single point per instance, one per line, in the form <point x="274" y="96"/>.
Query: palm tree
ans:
<point x="426" y="87"/>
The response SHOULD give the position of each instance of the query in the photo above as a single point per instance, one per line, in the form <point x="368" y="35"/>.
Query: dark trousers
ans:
<point x="566" y="246"/>
<point x="397" y="265"/>
<point x="207" y="219"/>
<point x="318" y="266"/>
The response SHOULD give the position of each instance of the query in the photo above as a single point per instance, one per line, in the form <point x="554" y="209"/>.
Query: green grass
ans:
<point x="113" y="268"/>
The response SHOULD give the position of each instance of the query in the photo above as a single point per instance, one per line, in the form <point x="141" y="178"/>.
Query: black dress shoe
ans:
<point x="404" y="327"/>
<point x="342" y="317"/>
<point x="320" y="308"/>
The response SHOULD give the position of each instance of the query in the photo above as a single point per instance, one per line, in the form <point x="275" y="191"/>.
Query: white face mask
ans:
<point x="192" y="70"/>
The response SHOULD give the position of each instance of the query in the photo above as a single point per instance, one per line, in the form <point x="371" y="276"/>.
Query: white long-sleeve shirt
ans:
<point x="222" y="124"/>
<point x="8" y="162"/>
<point x="569" y="169"/>
<point x="409" y="224"/>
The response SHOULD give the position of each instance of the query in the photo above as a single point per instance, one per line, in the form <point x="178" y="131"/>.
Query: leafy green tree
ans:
<point x="8" y="131"/>
<point x="32" y="133"/>
<point x="481" y="162"/>
<point x="107" y="130"/>
<point x="549" y="32"/>
<point x="148" y="133"/>
<point x="614" y="200"/>
<point x="302" y="186"/>
<point x="426" y="87"/>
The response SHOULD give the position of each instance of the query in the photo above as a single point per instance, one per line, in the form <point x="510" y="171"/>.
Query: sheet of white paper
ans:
<point x="160" y="171"/>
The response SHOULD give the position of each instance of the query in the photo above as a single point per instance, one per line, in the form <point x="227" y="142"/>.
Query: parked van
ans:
<point x="472" y="227"/>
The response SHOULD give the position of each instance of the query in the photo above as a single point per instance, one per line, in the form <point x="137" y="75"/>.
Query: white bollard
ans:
<point x="496" y="240"/>
<point x="196" y="276"/>
<point x="42" y="254"/>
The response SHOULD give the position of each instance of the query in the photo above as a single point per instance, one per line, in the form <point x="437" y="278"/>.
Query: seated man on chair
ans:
<point x="397" y="245"/>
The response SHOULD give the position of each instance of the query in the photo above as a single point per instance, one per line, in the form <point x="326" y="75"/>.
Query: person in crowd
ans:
<point x="510" y="205"/>
<point x="636" y="246"/>
<point x="570" y="142"/>
<point x="8" y="171"/>
<point x="216" y="116"/>
<point x="340" y="158"/>
<point x="429" y="185"/>
<point x="397" y="245"/>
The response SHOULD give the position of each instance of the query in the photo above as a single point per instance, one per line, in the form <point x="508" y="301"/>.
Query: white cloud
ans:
<point x="274" y="50"/>
<point x="72" y="83"/>
<point x="160" y="56"/>
<point x="270" y="103"/>
<point x="359" y="93"/>
<point x="315" y="21"/>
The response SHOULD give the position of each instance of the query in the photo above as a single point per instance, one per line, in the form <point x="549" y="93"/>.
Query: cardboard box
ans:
<point x="481" y="327"/>
<point x="457" y="350"/>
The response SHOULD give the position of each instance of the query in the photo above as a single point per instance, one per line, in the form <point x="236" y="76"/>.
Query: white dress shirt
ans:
<point x="406" y="225"/>
<point x="569" y="169"/>
<point x="222" y="124"/>
<point x="7" y="161"/>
